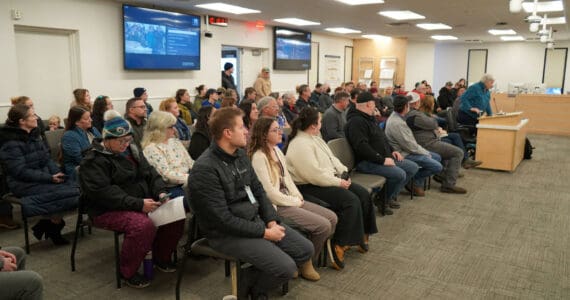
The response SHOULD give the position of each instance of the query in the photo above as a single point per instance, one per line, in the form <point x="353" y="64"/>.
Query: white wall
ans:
<point x="508" y="62"/>
<point x="419" y="64"/>
<point x="99" y="24"/>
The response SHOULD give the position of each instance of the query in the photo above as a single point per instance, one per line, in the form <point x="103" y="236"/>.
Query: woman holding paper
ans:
<point x="166" y="153"/>
<point x="119" y="188"/>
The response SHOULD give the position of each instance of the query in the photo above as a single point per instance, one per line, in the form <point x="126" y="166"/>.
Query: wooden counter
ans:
<point x="547" y="114"/>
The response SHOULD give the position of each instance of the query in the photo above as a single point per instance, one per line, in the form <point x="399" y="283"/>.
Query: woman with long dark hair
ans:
<point x="318" y="173"/>
<point x="271" y="168"/>
<point x="78" y="136"/>
<point x="100" y="106"/>
<point x="201" y="138"/>
<point x="33" y="176"/>
<point x="182" y="98"/>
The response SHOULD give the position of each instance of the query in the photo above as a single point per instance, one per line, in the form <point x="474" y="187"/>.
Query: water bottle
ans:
<point x="148" y="266"/>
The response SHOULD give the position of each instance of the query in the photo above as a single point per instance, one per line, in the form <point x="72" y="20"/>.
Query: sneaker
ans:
<point x="336" y="255"/>
<point x="8" y="223"/>
<point x="393" y="204"/>
<point x="137" y="281"/>
<point x="469" y="163"/>
<point x="438" y="178"/>
<point x="453" y="190"/>
<point x="167" y="267"/>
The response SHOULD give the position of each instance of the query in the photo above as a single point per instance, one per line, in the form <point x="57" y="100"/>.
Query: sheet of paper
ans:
<point x="169" y="212"/>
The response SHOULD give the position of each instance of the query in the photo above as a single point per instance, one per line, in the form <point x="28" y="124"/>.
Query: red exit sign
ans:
<point x="218" y="21"/>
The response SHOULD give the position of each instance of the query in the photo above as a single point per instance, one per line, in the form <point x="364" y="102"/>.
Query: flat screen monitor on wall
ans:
<point x="160" y="40"/>
<point x="292" y="49"/>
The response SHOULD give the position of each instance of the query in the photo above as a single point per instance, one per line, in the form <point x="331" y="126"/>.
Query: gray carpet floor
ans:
<point x="507" y="238"/>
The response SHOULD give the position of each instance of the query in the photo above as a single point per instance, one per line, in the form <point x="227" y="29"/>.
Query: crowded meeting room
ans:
<point x="325" y="149"/>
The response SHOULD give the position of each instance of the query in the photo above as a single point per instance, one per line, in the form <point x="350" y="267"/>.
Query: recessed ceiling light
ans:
<point x="555" y="21"/>
<point x="228" y="8"/>
<point x="502" y="32"/>
<point x="288" y="32"/>
<point x="444" y="37"/>
<point x="377" y="37"/>
<point x="296" y="21"/>
<point x="401" y="15"/>
<point x="342" y="30"/>
<point x="433" y="26"/>
<point x="512" y="38"/>
<point x="546" y="6"/>
<point x="361" y="2"/>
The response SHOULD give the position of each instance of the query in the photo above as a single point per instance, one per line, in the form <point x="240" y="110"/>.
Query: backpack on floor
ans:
<point x="527" y="149"/>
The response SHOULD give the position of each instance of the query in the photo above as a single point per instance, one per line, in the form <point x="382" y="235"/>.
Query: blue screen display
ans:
<point x="292" y="49"/>
<point x="160" y="40"/>
<point x="553" y="91"/>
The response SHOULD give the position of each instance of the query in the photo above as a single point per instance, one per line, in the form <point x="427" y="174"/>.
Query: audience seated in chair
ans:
<point x="16" y="282"/>
<point x="427" y="134"/>
<point x="120" y="188"/>
<point x="54" y="123"/>
<point x="33" y="176"/>
<point x="135" y="114"/>
<point x="402" y="140"/>
<point x="271" y="168"/>
<point x="201" y="138"/>
<point x="182" y="132"/>
<point x="182" y="98"/>
<point x="373" y="154"/>
<point x="318" y="173"/>
<point x="81" y="98"/>
<point x="333" y="120"/>
<point x="30" y="103"/>
<point x="100" y="106"/>
<point x="166" y="153"/>
<point x="78" y="136"/>
<point x="234" y="213"/>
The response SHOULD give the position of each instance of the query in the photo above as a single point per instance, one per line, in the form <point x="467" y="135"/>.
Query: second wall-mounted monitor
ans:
<point x="291" y="49"/>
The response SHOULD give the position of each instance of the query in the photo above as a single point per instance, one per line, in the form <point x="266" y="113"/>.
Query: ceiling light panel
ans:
<point x="512" y="38"/>
<point x="361" y="2"/>
<point x="296" y="21"/>
<point x="546" y="6"/>
<point x="555" y="21"/>
<point x="377" y="37"/>
<point x="401" y="15"/>
<point x="444" y="37"/>
<point x="228" y="8"/>
<point x="502" y="32"/>
<point x="342" y="30"/>
<point x="433" y="26"/>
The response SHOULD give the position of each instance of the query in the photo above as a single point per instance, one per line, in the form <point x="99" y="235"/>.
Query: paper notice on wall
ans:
<point x="387" y="74"/>
<point x="332" y="70"/>
<point x="367" y="73"/>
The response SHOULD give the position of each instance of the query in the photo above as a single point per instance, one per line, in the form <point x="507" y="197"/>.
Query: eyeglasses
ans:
<point x="276" y="130"/>
<point x="125" y="140"/>
<point x="139" y="106"/>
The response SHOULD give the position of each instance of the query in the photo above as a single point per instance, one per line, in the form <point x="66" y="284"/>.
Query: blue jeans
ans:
<point x="396" y="176"/>
<point x="428" y="166"/>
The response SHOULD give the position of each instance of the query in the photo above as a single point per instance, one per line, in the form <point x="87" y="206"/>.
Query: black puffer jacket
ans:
<point x="218" y="197"/>
<point x="29" y="167"/>
<point x="111" y="182"/>
<point x="367" y="140"/>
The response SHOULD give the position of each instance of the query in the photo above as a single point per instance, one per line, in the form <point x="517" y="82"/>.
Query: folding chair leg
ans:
<point x="236" y="277"/>
<point x="26" y="236"/>
<point x="285" y="288"/>
<point x="74" y="245"/>
<point x="117" y="261"/>
<point x="227" y="268"/>
<point x="179" y="276"/>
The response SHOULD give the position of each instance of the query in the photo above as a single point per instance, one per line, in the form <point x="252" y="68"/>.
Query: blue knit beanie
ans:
<point x="115" y="126"/>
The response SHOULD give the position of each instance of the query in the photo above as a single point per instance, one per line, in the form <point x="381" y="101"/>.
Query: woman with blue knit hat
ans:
<point x="120" y="187"/>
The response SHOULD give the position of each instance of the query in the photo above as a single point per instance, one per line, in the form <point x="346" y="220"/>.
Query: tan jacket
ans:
<point x="310" y="161"/>
<point x="269" y="178"/>
<point x="262" y="87"/>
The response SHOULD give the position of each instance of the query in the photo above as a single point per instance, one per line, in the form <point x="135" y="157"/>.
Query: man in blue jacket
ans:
<point x="234" y="212"/>
<point x="476" y="101"/>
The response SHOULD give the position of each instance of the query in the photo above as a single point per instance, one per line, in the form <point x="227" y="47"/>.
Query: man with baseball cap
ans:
<point x="262" y="84"/>
<point x="373" y="154"/>
<point x="402" y="139"/>
<point x="140" y="92"/>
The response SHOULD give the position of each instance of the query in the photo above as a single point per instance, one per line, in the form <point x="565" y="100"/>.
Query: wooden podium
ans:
<point x="500" y="141"/>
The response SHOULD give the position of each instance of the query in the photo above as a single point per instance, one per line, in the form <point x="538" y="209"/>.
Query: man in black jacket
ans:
<point x="228" y="81"/>
<point x="372" y="151"/>
<point x="234" y="213"/>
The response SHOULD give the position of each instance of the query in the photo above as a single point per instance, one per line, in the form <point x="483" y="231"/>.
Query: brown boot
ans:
<point x="308" y="272"/>
<point x="363" y="247"/>
<point x="336" y="255"/>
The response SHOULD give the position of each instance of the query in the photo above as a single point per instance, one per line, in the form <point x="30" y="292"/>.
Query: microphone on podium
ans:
<point x="498" y="111"/>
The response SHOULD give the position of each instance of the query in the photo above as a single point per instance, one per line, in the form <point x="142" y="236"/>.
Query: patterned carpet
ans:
<point x="505" y="239"/>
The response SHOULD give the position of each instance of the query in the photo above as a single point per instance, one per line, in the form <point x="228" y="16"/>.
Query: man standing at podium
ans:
<point x="475" y="101"/>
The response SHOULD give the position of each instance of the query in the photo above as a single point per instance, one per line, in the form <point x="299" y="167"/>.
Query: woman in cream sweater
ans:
<point x="270" y="166"/>
<point x="317" y="172"/>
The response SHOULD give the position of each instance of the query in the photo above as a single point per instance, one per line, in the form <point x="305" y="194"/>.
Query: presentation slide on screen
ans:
<point x="292" y="49"/>
<point x="155" y="39"/>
